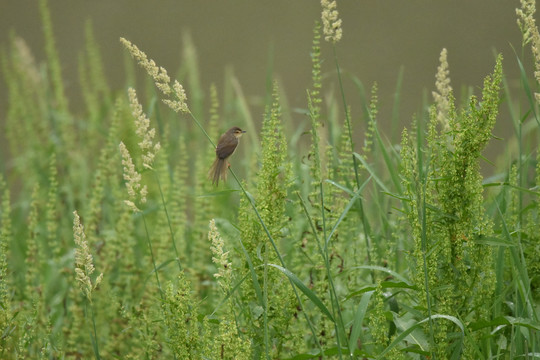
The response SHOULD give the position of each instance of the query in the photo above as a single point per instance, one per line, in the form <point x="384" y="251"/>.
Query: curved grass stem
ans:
<point x="365" y="224"/>
<point x="173" y="239"/>
<point x="152" y="257"/>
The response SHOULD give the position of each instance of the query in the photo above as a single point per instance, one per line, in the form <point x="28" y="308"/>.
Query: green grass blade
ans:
<point x="254" y="278"/>
<point x="520" y="274"/>
<point x="384" y="269"/>
<point x="321" y="354"/>
<point x="310" y="294"/>
<point x="397" y="101"/>
<point x="346" y="210"/>
<point x="372" y="172"/>
<point x="358" y="320"/>
<point x="341" y="187"/>
<point x="393" y="170"/>
<point x="528" y="91"/>
<point x="229" y="294"/>
<point x="384" y="285"/>
<point x="404" y="334"/>
<point x="219" y="193"/>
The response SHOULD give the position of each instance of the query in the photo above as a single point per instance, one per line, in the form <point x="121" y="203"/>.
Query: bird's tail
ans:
<point x="218" y="170"/>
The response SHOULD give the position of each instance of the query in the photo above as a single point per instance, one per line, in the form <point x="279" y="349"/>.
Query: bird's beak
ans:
<point x="243" y="131"/>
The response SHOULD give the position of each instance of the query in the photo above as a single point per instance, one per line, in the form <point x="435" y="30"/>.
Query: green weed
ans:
<point x="343" y="249"/>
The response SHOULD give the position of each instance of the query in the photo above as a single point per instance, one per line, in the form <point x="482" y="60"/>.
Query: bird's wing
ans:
<point x="223" y="151"/>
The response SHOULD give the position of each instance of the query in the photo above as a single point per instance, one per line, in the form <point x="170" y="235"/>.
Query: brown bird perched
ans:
<point x="225" y="148"/>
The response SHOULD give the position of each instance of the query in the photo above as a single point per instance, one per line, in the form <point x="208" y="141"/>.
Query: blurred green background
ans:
<point x="252" y="37"/>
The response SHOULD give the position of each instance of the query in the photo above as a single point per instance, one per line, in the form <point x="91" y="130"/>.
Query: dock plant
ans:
<point x="349" y="244"/>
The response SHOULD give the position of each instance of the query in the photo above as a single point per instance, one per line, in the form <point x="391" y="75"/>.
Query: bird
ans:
<point x="225" y="148"/>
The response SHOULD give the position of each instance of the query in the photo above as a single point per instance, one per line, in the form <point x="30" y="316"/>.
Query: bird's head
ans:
<point x="236" y="131"/>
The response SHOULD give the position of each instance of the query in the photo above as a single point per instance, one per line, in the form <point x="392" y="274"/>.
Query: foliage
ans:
<point x="337" y="250"/>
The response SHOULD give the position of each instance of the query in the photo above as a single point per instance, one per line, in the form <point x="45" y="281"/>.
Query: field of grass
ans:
<point x="114" y="244"/>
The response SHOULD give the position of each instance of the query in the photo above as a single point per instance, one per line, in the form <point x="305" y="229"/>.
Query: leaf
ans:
<point x="392" y="169"/>
<point x="358" y="319"/>
<point x="229" y="294"/>
<point x="328" y="352"/>
<point x="346" y="210"/>
<point x="504" y="320"/>
<point x="162" y="265"/>
<point x="341" y="217"/>
<point x="384" y="285"/>
<point x="396" y="196"/>
<point x="219" y="193"/>
<point x="404" y="334"/>
<point x="254" y="279"/>
<point x="310" y="294"/>
<point x="494" y="241"/>
<point x="527" y="88"/>
<point x="383" y="269"/>
<point x="371" y="172"/>
<point x="341" y="187"/>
